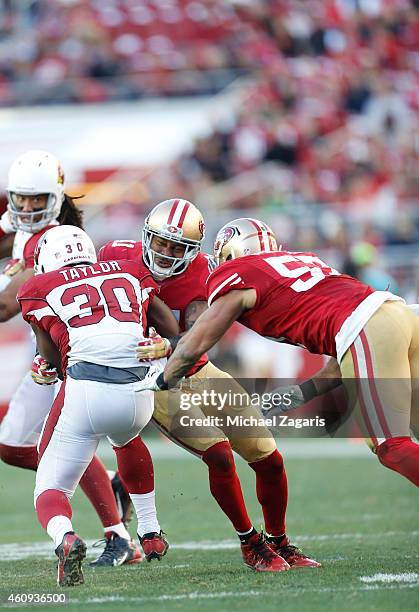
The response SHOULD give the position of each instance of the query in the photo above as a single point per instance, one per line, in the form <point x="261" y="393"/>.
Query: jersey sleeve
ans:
<point x="117" y="249"/>
<point x="229" y="277"/>
<point x="33" y="303"/>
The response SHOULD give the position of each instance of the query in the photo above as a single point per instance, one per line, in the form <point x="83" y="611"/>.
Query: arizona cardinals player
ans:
<point x="88" y="318"/>
<point x="172" y="237"/>
<point x="36" y="202"/>
<point x="297" y="298"/>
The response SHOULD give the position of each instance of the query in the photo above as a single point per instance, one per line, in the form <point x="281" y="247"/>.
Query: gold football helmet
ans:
<point x="241" y="237"/>
<point x="180" y="222"/>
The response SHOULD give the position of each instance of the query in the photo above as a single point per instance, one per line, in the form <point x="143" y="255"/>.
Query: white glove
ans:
<point x="6" y="225"/>
<point x="42" y="372"/>
<point x="292" y="398"/>
<point x="153" y="380"/>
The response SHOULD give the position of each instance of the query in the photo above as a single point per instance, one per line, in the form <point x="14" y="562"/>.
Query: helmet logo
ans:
<point x="173" y="231"/>
<point x="223" y="237"/>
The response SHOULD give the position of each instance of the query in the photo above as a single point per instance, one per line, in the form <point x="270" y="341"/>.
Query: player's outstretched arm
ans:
<point x="9" y="306"/>
<point x="208" y="329"/>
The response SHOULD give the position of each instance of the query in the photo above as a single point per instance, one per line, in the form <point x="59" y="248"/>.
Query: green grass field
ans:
<point x="346" y="510"/>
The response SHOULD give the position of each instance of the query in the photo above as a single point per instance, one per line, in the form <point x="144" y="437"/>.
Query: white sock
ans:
<point x="145" y="507"/>
<point x="57" y="527"/>
<point x="119" y="530"/>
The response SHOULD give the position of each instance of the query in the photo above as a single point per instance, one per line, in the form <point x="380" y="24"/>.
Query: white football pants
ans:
<point x="27" y="411"/>
<point x="83" y="412"/>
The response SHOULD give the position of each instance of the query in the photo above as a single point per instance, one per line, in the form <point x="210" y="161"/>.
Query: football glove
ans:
<point x="42" y="372"/>
<point x="292" y="398"/>
<point x="153" y="381"/>
<point x="153" y="347"/>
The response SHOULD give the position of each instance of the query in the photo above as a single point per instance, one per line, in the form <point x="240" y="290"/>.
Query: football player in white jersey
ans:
<point x="88" y="317"/>
<point x="36" y="202"/>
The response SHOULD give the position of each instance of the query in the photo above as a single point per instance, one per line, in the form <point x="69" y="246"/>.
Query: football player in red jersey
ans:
<point x="88" y="318"/>
<point x="297" y="298"/>
<point x="172" y="237"/>
<point x="36" y="202"/>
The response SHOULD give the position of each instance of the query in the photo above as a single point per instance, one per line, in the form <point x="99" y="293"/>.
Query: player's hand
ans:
<point x="6" y="226"/>
<point x="292" y="397"/>
<point x="42" y="372"/>
<point x="153" y="381"/>
<point x="153" y="347"/>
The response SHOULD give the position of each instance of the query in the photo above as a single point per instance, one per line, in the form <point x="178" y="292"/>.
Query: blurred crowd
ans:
<point x="324" y="141"/>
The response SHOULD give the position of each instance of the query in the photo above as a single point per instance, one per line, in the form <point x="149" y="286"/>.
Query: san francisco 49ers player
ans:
<point x="88" y="318"/>
<point x="36" y="202"/>
<point x="172" y="237"/>
<point x="297" y="298"/>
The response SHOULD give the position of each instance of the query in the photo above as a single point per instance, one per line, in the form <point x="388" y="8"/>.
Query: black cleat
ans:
<point x="123" y="500"/>
<point x="117" y="551"/>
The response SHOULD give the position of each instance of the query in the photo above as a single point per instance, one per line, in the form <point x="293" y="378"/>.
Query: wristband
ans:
<point x="309" y="390"/>
<point x="161" y="383"/>
<point x="173" y="340"/>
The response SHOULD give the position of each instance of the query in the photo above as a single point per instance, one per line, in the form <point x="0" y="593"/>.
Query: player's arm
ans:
<point x="46" y="347"/>
<point x="325" y="380"/>
<point x="162" y="318"/>
<point x="9" y="306"/>
<point x="6" y="245"/>
<point x="207" y="331"/>
<point x="193" y="312"/>
<point x="157" y="346"/>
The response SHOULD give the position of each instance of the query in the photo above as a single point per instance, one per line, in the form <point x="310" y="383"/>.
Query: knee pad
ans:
<point x="219" y="457"/>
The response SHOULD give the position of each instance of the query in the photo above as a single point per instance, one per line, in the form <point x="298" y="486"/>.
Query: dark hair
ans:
<point x="70" y="214"/>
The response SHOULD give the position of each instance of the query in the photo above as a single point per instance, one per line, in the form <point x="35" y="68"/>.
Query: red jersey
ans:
<point x="300" y="299"/>
<point x="179" y="290"/>
<point x="94" y="313"/>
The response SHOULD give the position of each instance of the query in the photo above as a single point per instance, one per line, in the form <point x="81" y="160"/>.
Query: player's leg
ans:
<point x="136" y="471"/>
<point x="256" y="445"/>
<point x="19" y="435"/>
<point x="213" y="448"/>
<point x="22" y="425"/>
<point x="384" y="387"/>
<point x="64" y="455"/>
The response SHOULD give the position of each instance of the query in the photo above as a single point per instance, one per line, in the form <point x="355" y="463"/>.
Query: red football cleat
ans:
<point x="260" y="557"/>
<point x="293" y="555"/>
<point x="70" y="553"/>
<point x="155" y="545"/>
<point x="135" y="555"/>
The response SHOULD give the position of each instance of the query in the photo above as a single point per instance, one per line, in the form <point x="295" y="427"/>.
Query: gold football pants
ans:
<point x="251" y="443"/>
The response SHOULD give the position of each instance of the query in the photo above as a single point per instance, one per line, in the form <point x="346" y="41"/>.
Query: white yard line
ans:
<point x="15" y="551"/>
<point x="410" y="577"/>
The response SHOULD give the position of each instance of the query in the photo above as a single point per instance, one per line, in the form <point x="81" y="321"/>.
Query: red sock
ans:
<point x="97" y="486"/>
<point x="20" y="456"/>
<point x="52" y="503"/>
<point x="135" y="466"/>
<point x="401" y="455"/>
<point x="225" y="485"/>
<point x="272" y="491"/>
